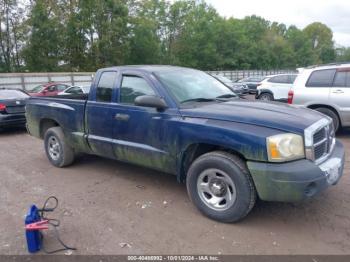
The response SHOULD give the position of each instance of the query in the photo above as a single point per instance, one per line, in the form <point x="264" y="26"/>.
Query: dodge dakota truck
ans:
<point x="182" y="121"/>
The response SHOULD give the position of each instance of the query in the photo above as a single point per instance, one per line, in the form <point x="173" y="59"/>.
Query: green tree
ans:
<point x="75" y="40"/>
<point x="196" y="44"/>
<point x="322" y="43"/>
<point x="147" y="31"/>
<point x="304" y="54"/>
<point x="343" y="54"/>
<point x="11" y="35"/>
<point x="44" y="49"/>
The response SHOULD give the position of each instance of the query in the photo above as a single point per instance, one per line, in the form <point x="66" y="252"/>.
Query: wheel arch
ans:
<point x="266" y="91"/>
<point x="45" y="124"/>
<point x="195" y="150"/>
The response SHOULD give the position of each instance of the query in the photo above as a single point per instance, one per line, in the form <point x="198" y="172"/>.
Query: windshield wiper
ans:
<point x="200" y="99"/>
<point x="227" y="96"/>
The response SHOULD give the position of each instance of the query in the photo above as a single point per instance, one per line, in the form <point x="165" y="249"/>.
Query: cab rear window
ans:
<point x="321" y="78"/>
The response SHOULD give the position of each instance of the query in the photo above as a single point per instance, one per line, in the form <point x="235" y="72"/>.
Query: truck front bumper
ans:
<point x="297" y="180"/>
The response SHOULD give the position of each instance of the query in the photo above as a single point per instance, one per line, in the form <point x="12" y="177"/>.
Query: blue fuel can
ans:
<point x="33" y="236"/>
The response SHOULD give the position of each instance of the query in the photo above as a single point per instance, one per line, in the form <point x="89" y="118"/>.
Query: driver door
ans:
<point x="140" y="132"/>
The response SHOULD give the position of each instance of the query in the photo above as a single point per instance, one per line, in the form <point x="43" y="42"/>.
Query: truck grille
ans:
<point x="319" y="140"/>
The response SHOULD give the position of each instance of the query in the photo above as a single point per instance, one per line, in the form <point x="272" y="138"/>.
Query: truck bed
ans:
<point x="67" y="111"/>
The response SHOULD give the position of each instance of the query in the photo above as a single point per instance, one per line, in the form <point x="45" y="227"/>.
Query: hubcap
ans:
<point x="265" y="97"/>
<point x="54" y="148"/>
<point x="216" y="189"/>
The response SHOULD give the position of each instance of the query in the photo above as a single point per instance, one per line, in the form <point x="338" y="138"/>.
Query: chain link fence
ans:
<point x="28" y="81"/>
<point x="239" y="74"/>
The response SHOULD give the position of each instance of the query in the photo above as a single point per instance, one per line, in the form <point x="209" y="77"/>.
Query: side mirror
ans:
<point x="151" y="101"/>
<point x="45" y="91"/>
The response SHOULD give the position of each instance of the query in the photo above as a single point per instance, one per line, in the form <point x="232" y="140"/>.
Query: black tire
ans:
<point x="237" y="171"/>
<point x="65" y="154"/>
<point x="331" y="114"/>
<point x="266" y="97"/>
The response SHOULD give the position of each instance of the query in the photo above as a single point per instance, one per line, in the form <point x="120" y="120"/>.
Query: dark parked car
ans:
<point x="49" y="89"/>
<point x="238" y="88"/>
<point x="252" y="82"/>
<point x="12" y="107"/>
<point x="184" y="122"/>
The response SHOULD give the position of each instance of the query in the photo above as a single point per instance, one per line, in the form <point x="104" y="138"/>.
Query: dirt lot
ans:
<point x="104" y="203"/>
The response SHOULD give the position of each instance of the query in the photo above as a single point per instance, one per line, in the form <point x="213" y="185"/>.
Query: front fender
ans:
<point x="247" y="140"/>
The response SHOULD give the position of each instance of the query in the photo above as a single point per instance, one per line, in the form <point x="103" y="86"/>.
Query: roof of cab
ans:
<point x="147" y="68"/>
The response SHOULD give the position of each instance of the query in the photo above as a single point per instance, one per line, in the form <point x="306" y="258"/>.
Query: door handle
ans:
<point x="339" y="91"/>
<point x="122" y="117"/>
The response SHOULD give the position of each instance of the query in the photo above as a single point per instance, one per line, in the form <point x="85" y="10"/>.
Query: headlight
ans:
<point x="285" y="147"/>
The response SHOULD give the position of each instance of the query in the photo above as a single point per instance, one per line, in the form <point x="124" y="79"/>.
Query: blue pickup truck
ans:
<point x="182" y="121"/>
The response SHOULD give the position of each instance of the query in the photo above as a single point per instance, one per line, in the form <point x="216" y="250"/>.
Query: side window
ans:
<point x="105" y="87"/>
<point x="340" y="79"/>
<point x="52" y="88"/>
<point x="61" y="87"/>
<point x="321" y="78"/>
<point x="292" y="79"/>
<point x="132" y="87"/>
<point x="75" y="90"/>
<point x="283" y="79"/>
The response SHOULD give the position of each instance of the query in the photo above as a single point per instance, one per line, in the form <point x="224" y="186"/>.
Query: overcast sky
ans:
<point x="334" y="13"/>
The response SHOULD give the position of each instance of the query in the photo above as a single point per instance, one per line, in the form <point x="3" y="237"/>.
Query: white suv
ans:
<point x="275" y="87"/>
<point x="326" y="89"/>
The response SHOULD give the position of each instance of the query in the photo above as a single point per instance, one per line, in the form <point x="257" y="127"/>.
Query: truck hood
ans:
<point x="267" y="114"/>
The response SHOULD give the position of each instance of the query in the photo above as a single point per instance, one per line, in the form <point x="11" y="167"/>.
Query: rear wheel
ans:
<point x="57" y="150"/>
<point x="220" y="186"/>
<point x="266" y="97"/>
<point x="331" y="114"/>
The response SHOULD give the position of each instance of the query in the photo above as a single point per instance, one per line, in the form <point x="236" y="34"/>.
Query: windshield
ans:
<point x="37" y="89"/>
<point x="223" y="79"/>
<point x="190" y="85"/>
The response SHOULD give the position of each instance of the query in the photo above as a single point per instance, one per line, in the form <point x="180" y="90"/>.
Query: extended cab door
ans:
<point x="100" y="114"/>
<point x="142" y="135"/>
<point x="340" y="94"/>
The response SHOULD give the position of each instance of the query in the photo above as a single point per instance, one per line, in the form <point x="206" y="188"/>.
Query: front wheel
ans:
<point x="220" y="186"/>
<point x="57" y="150"/>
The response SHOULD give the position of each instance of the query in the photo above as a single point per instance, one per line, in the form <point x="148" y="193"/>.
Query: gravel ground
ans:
<point x="108" y="207"/>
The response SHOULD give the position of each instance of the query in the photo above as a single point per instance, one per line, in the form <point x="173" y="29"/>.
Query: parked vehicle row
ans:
<point x="75" y="90"/>
<point x="53" y="89"/>
<point x="252" y="82"/>
<point x="325" y="89"/>
<point x="49" y="89"/>
<point x="12" y="107"/>
<point x="275" y="87"/>
<point x="181" y="121"/>
<point x="238" y="88"/>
